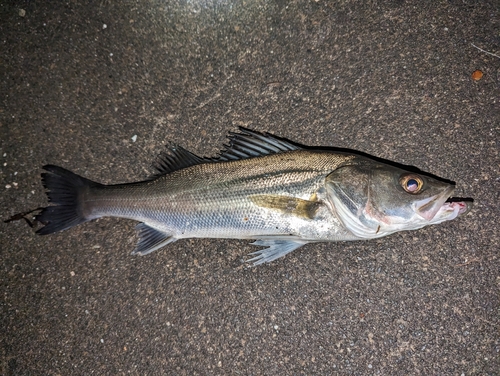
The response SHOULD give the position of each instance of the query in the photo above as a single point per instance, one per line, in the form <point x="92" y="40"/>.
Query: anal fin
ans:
<point x="275" y="249"/>
<point x="151" y="239"/>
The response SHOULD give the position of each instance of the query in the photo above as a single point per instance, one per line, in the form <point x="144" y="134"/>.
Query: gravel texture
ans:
<point x="98" y="87"/>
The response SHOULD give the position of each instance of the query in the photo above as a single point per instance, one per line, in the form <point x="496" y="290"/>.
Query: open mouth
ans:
<point x="445" y="210"/>
<point x="462" y="204"/>
<point x="443" y="206"/>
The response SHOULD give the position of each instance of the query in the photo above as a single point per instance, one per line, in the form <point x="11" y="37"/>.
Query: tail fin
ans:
<point x="64" y="189"/>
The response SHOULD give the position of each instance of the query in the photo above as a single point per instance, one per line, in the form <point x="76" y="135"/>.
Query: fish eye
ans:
<point x="411" y="183"/>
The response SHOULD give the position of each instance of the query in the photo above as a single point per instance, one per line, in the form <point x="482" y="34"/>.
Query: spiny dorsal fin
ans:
<point x="248" y="144"/>
<point x="175" y="158"/>
<point x="287" y="205"/>
<point x="243" y="145"/>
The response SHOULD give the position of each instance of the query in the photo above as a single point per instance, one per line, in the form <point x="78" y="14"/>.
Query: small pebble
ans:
<point x="22" y="12"/>
<point x="134" y="138"/>
<point x="8" y="186"/>
<point x="104" y="26"/>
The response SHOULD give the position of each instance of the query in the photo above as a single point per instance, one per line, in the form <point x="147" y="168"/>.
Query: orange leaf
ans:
<point x="477" y="75"/>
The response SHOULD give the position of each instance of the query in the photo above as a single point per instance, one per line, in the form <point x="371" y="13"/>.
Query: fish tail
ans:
<point x="65" y="189"/>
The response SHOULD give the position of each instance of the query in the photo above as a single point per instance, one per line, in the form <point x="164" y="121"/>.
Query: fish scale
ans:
<point x="217" y="195"/>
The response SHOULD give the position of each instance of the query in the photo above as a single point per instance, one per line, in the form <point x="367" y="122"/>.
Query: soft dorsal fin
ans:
<point x="175" y="158"/>
<point x="248" y="144"/>
<point x="242" y="145"/>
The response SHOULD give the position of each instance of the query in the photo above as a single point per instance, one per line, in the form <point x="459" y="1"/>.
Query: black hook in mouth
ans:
<point x="460" y="199"/>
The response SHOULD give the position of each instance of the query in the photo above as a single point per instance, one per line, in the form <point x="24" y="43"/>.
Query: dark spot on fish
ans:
<point x="287" y="205"/>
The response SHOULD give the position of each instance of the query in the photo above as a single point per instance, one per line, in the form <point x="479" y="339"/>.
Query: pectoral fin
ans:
<point x="275" y="249"/>
<point x="151" y="239"/>
<point x="288" y="205"/>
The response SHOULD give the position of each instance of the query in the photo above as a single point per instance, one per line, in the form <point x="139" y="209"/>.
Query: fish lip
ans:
<point x="428" y="208"/>
<point x="465" y="204"/>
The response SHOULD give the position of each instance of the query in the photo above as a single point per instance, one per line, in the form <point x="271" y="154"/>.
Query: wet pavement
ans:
<point x="98" y="88"/>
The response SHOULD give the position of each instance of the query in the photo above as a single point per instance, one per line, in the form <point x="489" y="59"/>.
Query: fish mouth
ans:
<point x="451" y="209"/>
<point x="442" y="206"/>
<point x="462" y="204"/>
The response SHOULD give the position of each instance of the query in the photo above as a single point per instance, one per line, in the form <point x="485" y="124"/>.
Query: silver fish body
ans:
<point x="261" y="188"/>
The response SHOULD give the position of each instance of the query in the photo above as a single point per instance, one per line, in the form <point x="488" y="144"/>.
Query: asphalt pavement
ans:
<point x="100" y="87"/>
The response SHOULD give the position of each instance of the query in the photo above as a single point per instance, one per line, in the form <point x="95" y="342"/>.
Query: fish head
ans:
<point x="373" y="199"/>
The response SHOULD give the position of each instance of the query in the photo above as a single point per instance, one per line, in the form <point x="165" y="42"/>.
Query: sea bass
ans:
<point x="260" y="187"/>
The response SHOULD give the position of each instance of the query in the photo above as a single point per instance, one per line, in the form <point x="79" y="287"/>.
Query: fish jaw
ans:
<point x="451" y="209"/>
<point x="427" y="208"/>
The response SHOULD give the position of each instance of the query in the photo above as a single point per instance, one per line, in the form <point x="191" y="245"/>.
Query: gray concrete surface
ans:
<point x="390" y="78"/>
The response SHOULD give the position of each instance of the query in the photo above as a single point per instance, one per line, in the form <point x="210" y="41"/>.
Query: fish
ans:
<point x="280" y="194"/>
